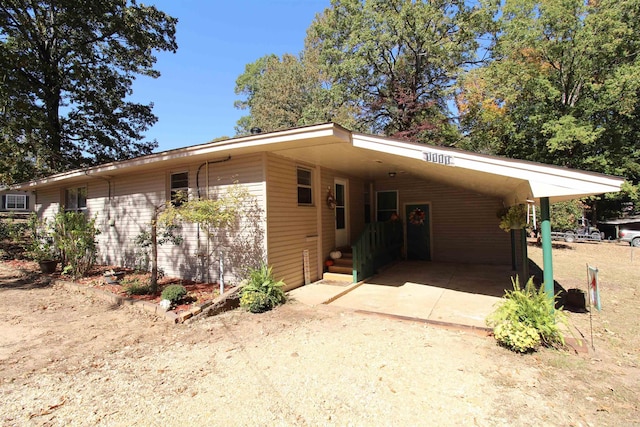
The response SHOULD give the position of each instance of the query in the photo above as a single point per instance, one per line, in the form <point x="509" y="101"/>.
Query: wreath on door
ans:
<point x="331" y="200"/>
<point x="417" y="216"/>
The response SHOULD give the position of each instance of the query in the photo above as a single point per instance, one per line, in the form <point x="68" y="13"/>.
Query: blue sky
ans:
<point x="193" y="98"/>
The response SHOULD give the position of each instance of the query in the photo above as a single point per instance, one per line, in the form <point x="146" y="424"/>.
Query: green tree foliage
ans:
<point x="397" y="60"/>
<point x="66" y="69"/>
<point x="563" y="87"/>
<point x="282" y="93"/>
<point x="566" y="215"/>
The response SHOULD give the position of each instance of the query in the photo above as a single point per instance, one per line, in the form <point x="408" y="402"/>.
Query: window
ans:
<point x="367" y="204"/>
<point x="179" y="188"/>
<point x="386" y="203"/>
<point x="304" y="187"/>
<point x="75" y="199"/>
<point x="16" y="202"/>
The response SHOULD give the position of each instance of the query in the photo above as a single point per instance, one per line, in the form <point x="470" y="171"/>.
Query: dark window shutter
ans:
<point x="4" y="203"/>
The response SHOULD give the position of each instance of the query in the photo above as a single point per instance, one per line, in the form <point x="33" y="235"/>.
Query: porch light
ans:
<point x="392" y="174"/>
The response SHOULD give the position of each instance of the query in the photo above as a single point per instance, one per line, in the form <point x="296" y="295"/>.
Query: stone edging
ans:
<point x="147" y="306"/>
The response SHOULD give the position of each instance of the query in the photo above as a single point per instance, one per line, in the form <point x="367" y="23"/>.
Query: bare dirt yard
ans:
<point x="66" y="359"/>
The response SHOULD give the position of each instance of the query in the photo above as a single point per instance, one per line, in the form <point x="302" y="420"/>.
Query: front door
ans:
<point x="342" y="217"/>
<point x="418" y="231"/>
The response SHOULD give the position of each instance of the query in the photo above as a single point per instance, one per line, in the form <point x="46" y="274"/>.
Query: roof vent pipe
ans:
<point x="255" y="131"/>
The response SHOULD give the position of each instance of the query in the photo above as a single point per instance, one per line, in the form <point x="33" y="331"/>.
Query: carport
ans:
<point x="433" y="290"/>
<point x="512" y="181"/>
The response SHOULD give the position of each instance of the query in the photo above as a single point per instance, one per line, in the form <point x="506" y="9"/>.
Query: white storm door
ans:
<point x="341" y="213"/>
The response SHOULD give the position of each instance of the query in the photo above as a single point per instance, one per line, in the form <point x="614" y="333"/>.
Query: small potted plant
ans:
<point x="42" y="248"/>
<point x="513" y="217"/>
<point x="44" y="252"/>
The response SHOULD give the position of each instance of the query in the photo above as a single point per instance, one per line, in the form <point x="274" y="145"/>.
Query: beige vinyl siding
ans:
<point x="135" y="198"/>
<point x="245" y="245"/>
<point x="47" y="202"/>
<point x="464" y="225"/>
<point x="124" y="206"/>
<point x="291" y="229"/>
<point x="128" y="204"/>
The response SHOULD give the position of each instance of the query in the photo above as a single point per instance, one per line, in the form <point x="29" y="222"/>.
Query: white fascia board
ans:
<point x="542" y="189"/>
<point x="390" y="147"/>
<point x="546" y="181"/>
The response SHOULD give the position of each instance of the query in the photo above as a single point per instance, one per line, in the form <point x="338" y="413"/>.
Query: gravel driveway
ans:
<point x="66" y="360"/>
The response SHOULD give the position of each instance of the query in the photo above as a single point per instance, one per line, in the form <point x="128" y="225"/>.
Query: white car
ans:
<point x="630" y="236"/>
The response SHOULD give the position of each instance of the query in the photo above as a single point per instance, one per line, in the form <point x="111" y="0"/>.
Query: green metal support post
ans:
<point x="547" y="262"/>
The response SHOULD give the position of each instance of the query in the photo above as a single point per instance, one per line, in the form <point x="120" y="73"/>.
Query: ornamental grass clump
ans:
<point x="261" y="292"/>
<point x="525" y="319"/>
<point x="134" y="287"/>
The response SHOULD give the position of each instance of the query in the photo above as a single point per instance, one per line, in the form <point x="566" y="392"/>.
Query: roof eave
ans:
<point x="234" y="145"/>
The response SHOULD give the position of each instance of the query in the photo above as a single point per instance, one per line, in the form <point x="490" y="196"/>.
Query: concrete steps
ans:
<point x="342" y="268"/>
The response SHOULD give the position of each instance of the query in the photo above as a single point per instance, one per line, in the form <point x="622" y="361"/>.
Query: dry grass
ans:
<point x="619" y="278"/>
<point x="609" y="376"/>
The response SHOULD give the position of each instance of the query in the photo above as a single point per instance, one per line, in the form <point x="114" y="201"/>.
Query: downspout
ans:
<point x="547" y="260"/>
<point x="207" y="163"/>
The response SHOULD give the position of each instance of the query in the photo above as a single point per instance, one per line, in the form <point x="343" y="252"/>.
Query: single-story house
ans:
<point x="315" y="189"/>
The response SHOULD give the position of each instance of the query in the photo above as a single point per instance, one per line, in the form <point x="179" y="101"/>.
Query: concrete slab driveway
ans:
<point x="444" y="293"/>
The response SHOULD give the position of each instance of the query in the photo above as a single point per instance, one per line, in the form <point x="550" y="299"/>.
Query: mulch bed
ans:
<point x="197" y="293"/>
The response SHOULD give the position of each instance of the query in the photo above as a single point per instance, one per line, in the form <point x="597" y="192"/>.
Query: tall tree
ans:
<point x="286" y="92"/>
<point x="67" y="67"/>
<point x="398" y="60"/>
<point x="564" y="87"/>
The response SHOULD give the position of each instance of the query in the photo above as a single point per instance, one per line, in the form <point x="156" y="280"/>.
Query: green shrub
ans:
<point x="12" y="229"/>
<point x="75" y="236"/>
<point x="262" y="292"/>
<point x="174" y="293"/>
<point x="526" y="319"/>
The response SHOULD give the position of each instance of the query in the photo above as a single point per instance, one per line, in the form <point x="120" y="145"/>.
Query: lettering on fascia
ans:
<point x="439" y="158"/>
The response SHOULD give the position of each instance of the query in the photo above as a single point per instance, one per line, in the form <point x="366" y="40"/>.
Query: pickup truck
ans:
<point x="630" y="236"/>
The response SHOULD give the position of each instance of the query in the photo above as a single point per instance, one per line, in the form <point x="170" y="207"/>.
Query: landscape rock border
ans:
<point x="228" y="300"/>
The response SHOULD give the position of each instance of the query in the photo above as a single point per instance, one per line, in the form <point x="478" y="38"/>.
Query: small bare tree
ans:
<point x="159" y="233"/>
<point x="217" y="217"/>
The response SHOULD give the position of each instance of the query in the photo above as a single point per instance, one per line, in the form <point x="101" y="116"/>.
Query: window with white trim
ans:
<point x="305" y="196"/>
<point x="16" y="202"/>
<point x="75" y="199"/>
<point x="179" y="188"/>
<point x="386" y="204"/>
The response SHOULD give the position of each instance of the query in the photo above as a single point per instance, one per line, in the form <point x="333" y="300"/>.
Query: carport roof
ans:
<point x="373" y="157"/>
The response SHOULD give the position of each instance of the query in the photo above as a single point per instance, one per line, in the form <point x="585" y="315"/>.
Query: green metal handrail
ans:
<point x="378" y="244"/>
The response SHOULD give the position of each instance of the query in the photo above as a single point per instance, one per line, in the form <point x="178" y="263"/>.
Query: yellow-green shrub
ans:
<point x="526" y="318"/>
